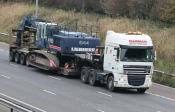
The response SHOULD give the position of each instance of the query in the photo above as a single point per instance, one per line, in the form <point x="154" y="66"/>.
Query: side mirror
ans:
<point x="155" y="56"/>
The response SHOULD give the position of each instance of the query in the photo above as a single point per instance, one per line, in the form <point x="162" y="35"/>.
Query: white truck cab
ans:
<point x="129" y="58"/>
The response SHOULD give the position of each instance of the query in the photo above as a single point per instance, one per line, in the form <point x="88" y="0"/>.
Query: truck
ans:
<point x="125" y="61"/>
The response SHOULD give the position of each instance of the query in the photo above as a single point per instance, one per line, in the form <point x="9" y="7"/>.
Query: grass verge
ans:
<point x="164" y="79"/>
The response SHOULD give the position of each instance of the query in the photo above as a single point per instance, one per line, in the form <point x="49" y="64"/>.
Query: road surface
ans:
<point x="54" y="93"/>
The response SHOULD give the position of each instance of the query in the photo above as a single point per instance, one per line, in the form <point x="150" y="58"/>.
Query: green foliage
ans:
<point x="169" y="12"/>
<point x="159" y="10"/>
<point x="164" y="79"/>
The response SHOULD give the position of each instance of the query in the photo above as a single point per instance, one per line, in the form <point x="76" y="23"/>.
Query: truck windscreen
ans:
<point x="136" y="54"/>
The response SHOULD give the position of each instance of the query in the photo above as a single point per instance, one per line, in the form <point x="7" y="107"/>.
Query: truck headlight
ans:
<point x="121" y="80"/>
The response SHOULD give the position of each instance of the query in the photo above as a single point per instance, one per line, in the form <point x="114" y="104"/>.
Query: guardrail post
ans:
<point x="11" y="110"/>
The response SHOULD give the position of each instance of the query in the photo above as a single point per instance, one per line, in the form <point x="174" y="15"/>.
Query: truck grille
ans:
<point x="136" y="70"/>
<point x="136" y="80"/>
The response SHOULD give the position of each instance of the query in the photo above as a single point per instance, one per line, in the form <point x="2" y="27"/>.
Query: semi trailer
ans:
<point x="48" y="46"/>
<point x="125" y="61"/>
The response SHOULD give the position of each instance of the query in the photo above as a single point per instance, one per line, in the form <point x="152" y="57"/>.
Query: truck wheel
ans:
<point x="22" y="59"/>
<point x="17" y="60"/>
<point x="27" y="61"/>
<point x="110" y="83"/>
<point x="92" y="78"/>
<point x="84" y="75"/>
<point x="141" y="90"/>
<point x="12" y="56"/>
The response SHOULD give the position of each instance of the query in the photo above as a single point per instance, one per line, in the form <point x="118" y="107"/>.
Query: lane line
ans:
<point x="99" y="110"/>
<point x="54" y="78"/>
<point x="161" y="96"/>
<point x="14" y="65"/>
<point x="22" y="102"/>
<point x="49" y="92"/>
<point x="104" y="94"/>
<point x="164" y="86"/>
<point x="7" y="77"/>
<point x="3" y="50"/>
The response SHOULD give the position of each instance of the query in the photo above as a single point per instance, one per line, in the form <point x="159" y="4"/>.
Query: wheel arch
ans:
<point x="108" y="74"/>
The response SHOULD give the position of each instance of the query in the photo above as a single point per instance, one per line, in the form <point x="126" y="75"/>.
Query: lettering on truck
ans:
<point x="83" y="49"/>
<point x="137" y="42"/>
<point x="83" y="42"/>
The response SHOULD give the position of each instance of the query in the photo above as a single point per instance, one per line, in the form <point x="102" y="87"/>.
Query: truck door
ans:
<point x="111" y="59"/>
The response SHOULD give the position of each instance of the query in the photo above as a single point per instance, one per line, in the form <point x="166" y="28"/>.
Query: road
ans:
<point x="54" y="93"/>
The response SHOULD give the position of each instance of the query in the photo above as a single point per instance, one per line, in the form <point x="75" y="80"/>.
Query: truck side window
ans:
<point x="106" y="50"/>
<point x="118" y="53"/>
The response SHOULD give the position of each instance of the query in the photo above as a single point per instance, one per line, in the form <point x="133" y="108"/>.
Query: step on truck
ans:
<point x="126" y="61"/>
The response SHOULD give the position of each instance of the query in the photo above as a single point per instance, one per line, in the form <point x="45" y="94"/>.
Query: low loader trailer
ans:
<point x="126" y="60"/>
<point x="47" y="46"/>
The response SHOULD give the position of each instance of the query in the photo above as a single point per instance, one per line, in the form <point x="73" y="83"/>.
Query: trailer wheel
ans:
<point x="141" y="90"/>
<point x="12" y="56"/>
<point x="22" y="59"/>
<point x="84" y="75"/>
<point x="27" y="61"/>
<point x="92" y="78"/>
<point x="110" y="83"/>
<point x="17" y="56"/>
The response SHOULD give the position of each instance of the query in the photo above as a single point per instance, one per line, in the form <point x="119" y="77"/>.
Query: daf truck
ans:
<point x="126" y="61"/>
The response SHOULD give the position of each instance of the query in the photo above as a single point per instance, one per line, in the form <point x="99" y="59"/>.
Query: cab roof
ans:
<point x="129" y="39"/>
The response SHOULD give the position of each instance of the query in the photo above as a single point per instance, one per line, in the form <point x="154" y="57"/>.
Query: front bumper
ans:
<point x="124" y="82"/>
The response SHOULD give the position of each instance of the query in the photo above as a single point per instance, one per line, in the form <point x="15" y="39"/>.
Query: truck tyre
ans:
<point x="12" y="56"/>
<point x="92" y="77"/>
<point x="17" y="57"/>
<point x="27" y="61"/>
<point x="141" y="90"/>
<point x="84" y="75"/>
<point x="110" y="83"/>
<point x="22" y="59"/>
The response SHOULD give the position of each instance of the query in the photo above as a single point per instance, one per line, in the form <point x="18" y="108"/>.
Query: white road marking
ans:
<point x="14" y="65"/>
<point x="19" y="101"/>
<point x="3" y="50"/>
<point x="99" y="110"/>
<point x="104" y="94"/>
<point x="54" y="77"/>
<point x="49" y="92"/>
<point x="164" y="86"/>
<point x="161" y="96"/>
<point x="7" y="77"/>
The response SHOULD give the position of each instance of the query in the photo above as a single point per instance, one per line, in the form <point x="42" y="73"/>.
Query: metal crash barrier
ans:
<point x="163" y="73"/>
<point x="14" y="105"/>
